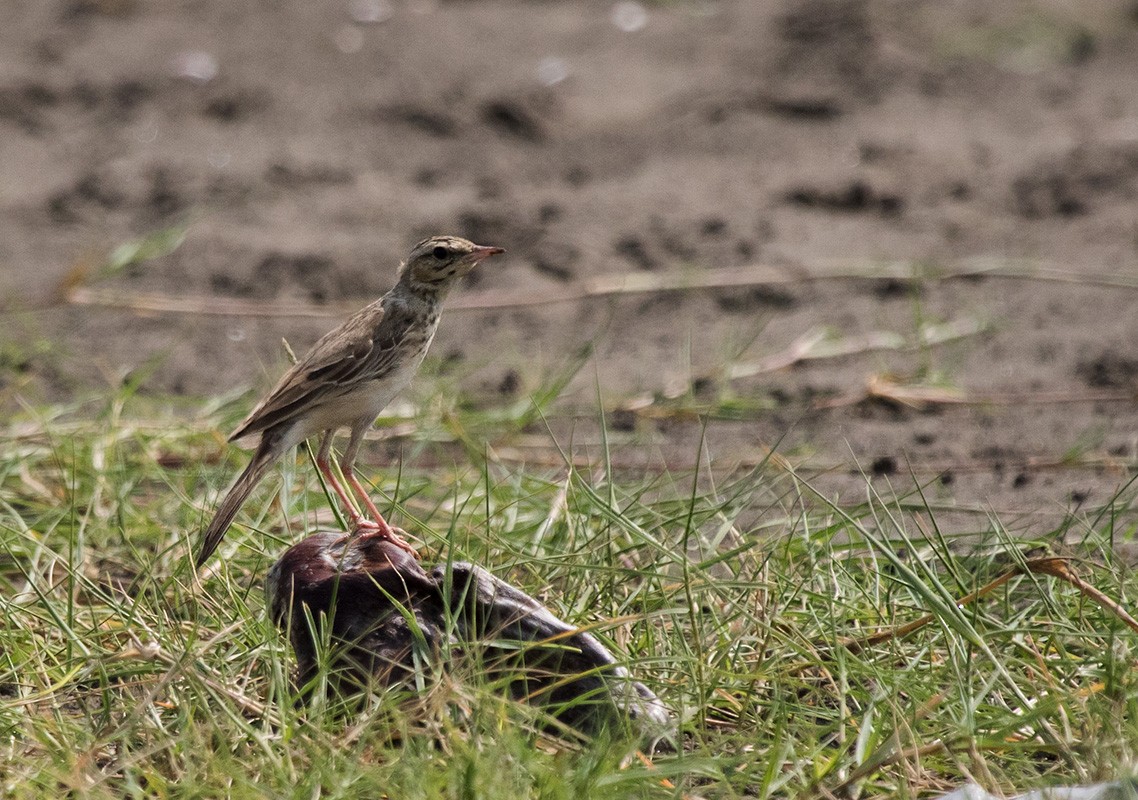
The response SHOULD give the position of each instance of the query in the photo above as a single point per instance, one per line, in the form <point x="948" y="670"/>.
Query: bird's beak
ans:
<point x="479" y="252"/>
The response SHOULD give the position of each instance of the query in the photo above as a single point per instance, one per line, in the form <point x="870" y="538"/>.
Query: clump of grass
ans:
<point x="736" y="598"/>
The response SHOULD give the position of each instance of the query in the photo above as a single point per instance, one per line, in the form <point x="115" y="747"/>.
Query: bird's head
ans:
<point x="435" y="263"/>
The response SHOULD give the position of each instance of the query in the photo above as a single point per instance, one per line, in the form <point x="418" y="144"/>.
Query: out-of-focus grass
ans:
<point x="123" y="674"/>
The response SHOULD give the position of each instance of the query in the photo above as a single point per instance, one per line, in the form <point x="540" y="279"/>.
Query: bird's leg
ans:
<point x="347" y="461"/>
<point x="324" y="464"/>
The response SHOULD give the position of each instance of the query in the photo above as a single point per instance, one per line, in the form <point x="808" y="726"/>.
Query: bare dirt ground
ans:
<point x="818" y="154"/>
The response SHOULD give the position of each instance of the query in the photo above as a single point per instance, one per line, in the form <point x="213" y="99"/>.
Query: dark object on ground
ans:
<point x="370" y="590"/>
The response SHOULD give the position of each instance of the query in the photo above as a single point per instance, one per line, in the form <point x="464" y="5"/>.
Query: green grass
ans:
<point x="122" y="674"/>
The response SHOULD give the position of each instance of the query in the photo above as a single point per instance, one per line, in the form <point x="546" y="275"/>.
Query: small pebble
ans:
<point x="552" y="70"/>
<point x="370" y="12"/>
<point x="630" y="16"/>
<point x="196" y="65"/>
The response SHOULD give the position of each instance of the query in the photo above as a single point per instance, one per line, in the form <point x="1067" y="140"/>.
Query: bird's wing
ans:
<point x="332" y="360"/>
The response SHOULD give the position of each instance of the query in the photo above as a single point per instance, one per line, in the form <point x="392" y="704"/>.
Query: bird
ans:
<point x="347" y="379"/>
<point x="361" y="609"/>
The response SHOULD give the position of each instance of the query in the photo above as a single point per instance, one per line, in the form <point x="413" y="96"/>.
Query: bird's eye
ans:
<point x="439" y="252"/>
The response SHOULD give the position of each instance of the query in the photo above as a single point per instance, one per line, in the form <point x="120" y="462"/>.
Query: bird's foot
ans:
<point x="386" y="531"/>
<point x="361" y="524"/>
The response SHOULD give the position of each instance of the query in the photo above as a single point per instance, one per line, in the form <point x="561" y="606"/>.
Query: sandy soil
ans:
<point x="826" y="149"/>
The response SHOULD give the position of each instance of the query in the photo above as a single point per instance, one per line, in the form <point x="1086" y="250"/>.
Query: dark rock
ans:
<point x="855" y="197"/>
<point x="1110" y="370"/>
<point x="883" y="465"/>
<point x="633" y="248"/>
<point x="429" y="121"/>
<point x="514" y="119"/>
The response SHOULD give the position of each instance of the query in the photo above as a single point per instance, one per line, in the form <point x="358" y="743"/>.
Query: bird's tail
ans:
<point x="264" y="458"/>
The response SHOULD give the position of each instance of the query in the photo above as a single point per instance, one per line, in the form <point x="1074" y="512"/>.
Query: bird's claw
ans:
<point x="364" y="524"/>
<point x="386" y="531"/>
<point x="396" y="538"/>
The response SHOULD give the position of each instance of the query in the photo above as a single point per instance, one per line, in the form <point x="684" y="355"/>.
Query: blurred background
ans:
<point x="890" y="238"/>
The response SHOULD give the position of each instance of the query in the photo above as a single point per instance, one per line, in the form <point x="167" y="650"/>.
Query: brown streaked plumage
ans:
<point x="347" y="379"/>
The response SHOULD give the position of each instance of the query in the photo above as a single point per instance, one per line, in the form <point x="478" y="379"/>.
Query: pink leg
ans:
<point x="346" y="466"/>
<point x="324" y="464"/>
<point x="361" y="492"/>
